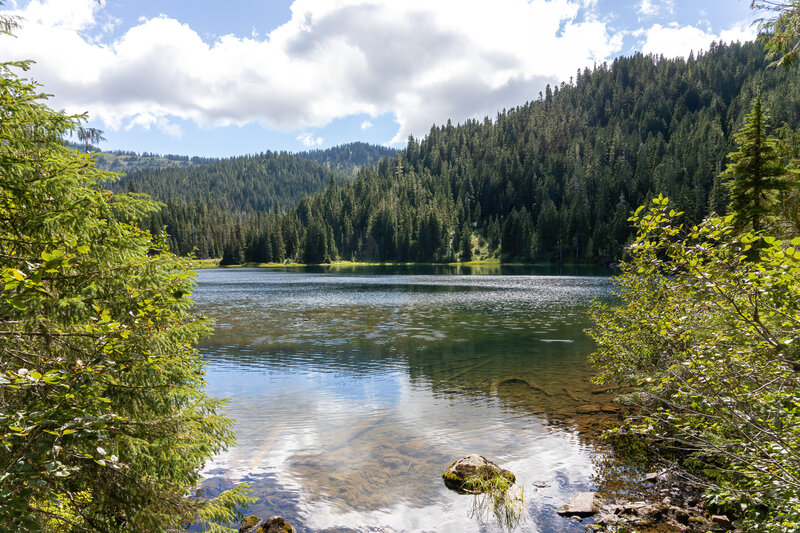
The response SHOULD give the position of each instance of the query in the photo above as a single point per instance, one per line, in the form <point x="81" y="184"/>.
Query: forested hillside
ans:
<point x="553" y="180"/>
<point x="240" y="184"/>
<point x="349" y="158"/>
<point x="207" y="203"/>
<point x="128" y="161"/>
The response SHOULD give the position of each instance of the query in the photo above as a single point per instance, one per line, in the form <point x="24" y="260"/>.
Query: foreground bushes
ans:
<point x="707" y="334"/>
<point x="104" y="425"/>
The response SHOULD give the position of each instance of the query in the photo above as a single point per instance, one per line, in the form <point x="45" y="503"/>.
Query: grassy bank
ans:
<point x="215" y="263"/>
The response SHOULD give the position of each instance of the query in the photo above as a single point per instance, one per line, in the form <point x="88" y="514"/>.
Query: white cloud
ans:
<point x="166" y="126"/>
<point x="647" y="8"/>
<point x="366" y="125"/>
<point x="423" y="62"/>
<point x="744" y="31"/>
<point x="675" y="41"/>
<point x="161" y="123"/>
<point x="651" y="8"/>
<point x="309" y="140"/>
<point x="74" y="15"/>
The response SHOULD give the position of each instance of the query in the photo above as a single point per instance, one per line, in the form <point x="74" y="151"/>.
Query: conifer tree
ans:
<point x="466" y="243"/>
<point x="780" y="31"/>
<point x="755" y="171"/>
<point x="104" y="425"/>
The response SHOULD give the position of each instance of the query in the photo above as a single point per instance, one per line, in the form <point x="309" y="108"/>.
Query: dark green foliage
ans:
<point x="205" y="201"/>
<point x="104" y="425"/>
<point x="348" y="158"/>
<point x="557" y="178"/>
<point x="755" y="172"/>
<point x="517" y="236"/>
<point x="261" y="182"/>
<point x="466" y="243"/>
<point x="315" y="247"/>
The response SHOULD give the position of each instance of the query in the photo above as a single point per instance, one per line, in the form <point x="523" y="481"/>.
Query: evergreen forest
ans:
<point x="553" y="180"/>
<point x="348" y="158"/>
<point x="209" y="201"/>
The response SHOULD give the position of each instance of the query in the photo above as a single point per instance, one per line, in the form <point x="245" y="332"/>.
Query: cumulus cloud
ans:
<point x="679" y="41"/>
<point x="422" y="62"/>
<point x="651" y="8"/>
<point x="366" y="125"/>
<point x="66" y="14"/>
<point x="309" y="140"/>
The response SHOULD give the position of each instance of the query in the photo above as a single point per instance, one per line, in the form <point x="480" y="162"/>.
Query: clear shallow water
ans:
<point x="353" y="391"/>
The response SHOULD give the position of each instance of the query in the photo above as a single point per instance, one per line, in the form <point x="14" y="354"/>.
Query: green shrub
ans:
<point x="104" y="425"/>
<point x="708" y="337"/>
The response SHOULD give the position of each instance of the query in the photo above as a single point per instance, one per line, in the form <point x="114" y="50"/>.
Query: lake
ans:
<point x="353" y="389"/>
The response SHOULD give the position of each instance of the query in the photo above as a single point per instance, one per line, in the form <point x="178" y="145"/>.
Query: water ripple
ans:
<point x="352" y="392"/>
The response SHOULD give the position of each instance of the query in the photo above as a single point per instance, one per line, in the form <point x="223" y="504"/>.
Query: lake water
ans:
<point x="354" y="389"/>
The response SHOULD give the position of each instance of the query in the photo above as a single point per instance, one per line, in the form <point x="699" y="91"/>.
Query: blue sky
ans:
<point x="244" y="76"/>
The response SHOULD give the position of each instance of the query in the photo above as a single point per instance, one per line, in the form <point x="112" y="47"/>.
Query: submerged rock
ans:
<point x="603" y="390"/>
<point x="581" y="505"/>
<point x="249" y="524"/>
<point x="589" y="408"/>
<point x="514" y="379"/>
<point x="274" y="524"/>
<point x="475" y="474"/>
<point x="594" y="408"/>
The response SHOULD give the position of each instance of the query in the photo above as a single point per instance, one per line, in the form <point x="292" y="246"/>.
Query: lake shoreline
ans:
<point x="202" y="264"/>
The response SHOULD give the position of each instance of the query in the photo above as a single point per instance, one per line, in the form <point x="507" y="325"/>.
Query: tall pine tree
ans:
<point x="755" y="171"/>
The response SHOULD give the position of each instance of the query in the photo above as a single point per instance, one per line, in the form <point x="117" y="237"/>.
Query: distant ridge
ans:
<point x="257" y="182"/>
<point x="349" y="158"/>
<point x="207" y="198"/>
<point x="127" y="161"/>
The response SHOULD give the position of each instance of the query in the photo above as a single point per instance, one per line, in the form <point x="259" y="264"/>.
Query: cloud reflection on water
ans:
<point x="353" y="393"/>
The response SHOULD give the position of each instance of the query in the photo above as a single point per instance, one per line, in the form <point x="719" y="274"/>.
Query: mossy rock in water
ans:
<point x="276" y="524"/>
<point x="249" y="524"/>
<point x="475" y="474"/>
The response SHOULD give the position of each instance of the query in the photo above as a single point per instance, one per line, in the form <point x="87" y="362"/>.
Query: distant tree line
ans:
<point x="225" y="202"/>
<point x="553" y="180"/>
<point x="349" y="158"/>
<point x="249" y="183"/>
